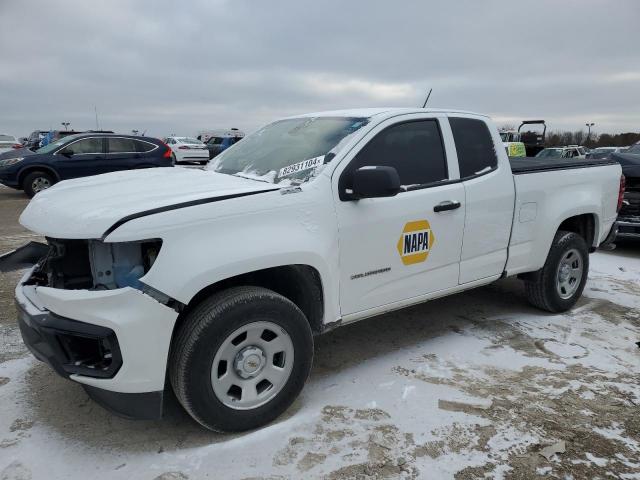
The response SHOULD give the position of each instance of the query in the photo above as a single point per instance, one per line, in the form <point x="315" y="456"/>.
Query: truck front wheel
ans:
<point x="240" y="358"/>
<point x="560" y="282"/>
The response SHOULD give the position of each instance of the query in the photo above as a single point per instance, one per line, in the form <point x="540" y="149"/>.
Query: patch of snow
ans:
<point x="601" y="462"/>
<point x="407" y="390"/>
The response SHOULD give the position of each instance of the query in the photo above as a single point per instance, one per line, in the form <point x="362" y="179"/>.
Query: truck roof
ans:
<point x="382" y="112"/>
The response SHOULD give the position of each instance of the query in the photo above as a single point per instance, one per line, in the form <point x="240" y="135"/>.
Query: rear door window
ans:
<point x="144" y="147"/>
<point x="476" y="151"/>
<point x="122" y="145"/>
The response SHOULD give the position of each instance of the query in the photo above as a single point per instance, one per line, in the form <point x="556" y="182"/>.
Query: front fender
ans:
<point x="206" y="244"/>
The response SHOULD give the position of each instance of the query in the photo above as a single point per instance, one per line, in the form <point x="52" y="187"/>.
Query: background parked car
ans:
<point x="603" y="152"/>
<point x="205" y="135"/>
<point x="217" y="145"/>
<point x="187" y="150"/>
<point x="34" y="138"/>
<point x="570" y="151"/>
<point x="54" y="135"/>
<point x="80" y="155"/>
<point x="629" y="214"/>
<point x="8" y="142"/>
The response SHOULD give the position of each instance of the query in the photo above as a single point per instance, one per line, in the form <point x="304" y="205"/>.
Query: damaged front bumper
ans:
<point x="114" y="342"/>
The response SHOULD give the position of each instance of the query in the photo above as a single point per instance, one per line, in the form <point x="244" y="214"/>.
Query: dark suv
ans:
<point x="80" y="156"/>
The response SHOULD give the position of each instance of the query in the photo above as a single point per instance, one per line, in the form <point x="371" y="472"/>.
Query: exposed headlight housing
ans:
<point x="10" y="161"/>
<point x="96" y="265"/>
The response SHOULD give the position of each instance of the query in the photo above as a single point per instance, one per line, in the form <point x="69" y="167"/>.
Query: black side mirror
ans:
<point x="67" y="152"/>
<point x="375" y="182"/>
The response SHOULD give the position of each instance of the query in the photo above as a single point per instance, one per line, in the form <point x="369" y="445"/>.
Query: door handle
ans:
<point x="447" y="205"/>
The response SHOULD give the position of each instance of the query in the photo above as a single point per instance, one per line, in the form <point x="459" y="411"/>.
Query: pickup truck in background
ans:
<point x="214" y="282"/>
<point x="629" y="217"/>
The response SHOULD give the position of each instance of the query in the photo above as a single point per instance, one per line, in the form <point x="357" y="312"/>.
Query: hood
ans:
<point x="16" y="152"/>
<point x="88" y="207"/>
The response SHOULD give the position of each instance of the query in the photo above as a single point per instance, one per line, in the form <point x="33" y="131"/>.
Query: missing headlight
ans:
<point x="96" y="265"/>
<point x="118" y="265"/>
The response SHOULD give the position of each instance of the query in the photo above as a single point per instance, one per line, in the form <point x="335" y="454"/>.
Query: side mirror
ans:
<point x="67" y="152"/>
<point x="375" y="182"/>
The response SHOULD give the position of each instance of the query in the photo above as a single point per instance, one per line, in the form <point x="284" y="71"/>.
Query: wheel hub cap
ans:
<point x="252" y="365"/>
<point x="249" y="362"/>
<point x="570" y="273"/>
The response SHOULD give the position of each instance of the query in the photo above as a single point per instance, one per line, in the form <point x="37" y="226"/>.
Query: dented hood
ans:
<point x="88" y="207"/>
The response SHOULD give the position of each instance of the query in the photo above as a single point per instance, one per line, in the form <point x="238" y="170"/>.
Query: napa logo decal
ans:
<point x="416" y="242"/>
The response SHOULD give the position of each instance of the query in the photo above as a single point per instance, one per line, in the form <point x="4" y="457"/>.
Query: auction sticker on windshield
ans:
<point x="300" y="166"/>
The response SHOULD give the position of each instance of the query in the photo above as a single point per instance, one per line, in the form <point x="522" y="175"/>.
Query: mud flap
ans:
<point x="25" y="256"/>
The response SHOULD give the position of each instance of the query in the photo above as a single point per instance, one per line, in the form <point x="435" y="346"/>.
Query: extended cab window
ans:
<point x="122" y="145"/>
<point x="414" y="149"/>
<point x="476" y="151"/>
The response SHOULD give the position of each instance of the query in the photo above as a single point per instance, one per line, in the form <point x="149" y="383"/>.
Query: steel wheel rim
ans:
<point x="569" y="274"/>
<point x="252" y="365"/>
<point x="40" y="183"/>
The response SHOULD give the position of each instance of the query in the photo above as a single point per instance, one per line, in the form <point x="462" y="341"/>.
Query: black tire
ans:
<point x="542" y="287"/>
<point x="203" y="333"/>
<point x="29" y="184"/>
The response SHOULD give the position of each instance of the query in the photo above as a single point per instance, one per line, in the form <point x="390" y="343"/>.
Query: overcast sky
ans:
<point x="180" y="67"/>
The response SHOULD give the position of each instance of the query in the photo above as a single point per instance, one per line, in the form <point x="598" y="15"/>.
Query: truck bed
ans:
<point x="522" y="165"/>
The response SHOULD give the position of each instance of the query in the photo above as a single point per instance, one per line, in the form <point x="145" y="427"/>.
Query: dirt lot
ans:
<point x="479" y="385"/>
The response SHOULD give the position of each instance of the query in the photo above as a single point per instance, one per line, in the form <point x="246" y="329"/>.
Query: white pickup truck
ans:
<point x="214" y="282"/>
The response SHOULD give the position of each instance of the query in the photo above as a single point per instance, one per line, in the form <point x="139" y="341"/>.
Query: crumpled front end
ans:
<point x="84" y="311"/>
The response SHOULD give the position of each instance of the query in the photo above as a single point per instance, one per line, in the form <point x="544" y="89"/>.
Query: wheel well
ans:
<point x="583" y="225"/>
<point x="299" y="283"/>
<point x="36" y="168"/>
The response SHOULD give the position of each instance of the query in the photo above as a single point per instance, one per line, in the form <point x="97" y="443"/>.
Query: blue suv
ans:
<point x="80" y="156"/>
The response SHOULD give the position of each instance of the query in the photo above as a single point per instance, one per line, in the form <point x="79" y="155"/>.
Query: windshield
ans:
<point x="288" y="151"/>
<point x="550" y="153"/>
<point x="55" y="145"/>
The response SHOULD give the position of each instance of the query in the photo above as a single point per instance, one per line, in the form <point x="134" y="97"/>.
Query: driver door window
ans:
<point x="84" y="147"/>
<point x="414" y="149"/>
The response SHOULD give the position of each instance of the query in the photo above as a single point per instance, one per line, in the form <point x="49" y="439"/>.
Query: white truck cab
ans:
<point x="218" y="279"/>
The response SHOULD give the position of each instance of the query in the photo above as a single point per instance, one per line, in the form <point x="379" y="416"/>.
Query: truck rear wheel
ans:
<point x="241" y="358"/>
<point x="560" y="282"/>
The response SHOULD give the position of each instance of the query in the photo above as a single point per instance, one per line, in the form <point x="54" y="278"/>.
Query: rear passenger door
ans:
<point x="489" y="196"/>
<point x="398" y="248"/>
<point x="122" y="154"/>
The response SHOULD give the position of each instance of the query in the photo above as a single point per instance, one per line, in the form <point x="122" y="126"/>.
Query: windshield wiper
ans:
<point x="249" y="178"/>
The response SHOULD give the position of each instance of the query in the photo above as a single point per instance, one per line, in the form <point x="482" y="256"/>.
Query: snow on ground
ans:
<point x="470" y="386"/>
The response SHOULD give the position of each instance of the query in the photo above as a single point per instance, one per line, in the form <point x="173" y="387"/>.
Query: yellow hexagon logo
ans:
<point x="416" y="242"/>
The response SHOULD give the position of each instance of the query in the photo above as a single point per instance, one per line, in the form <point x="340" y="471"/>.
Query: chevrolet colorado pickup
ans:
<point x="214" y="282"/>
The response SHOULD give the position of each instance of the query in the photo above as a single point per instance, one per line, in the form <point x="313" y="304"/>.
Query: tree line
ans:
<point x="557" y="138"/>
<point x="560" y="138"/>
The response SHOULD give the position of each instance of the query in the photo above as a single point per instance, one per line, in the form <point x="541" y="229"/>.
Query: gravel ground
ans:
<point x="477" y="385"/>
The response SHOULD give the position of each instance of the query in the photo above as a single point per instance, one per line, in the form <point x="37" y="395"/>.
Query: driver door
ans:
<point x="395" y="249"/>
